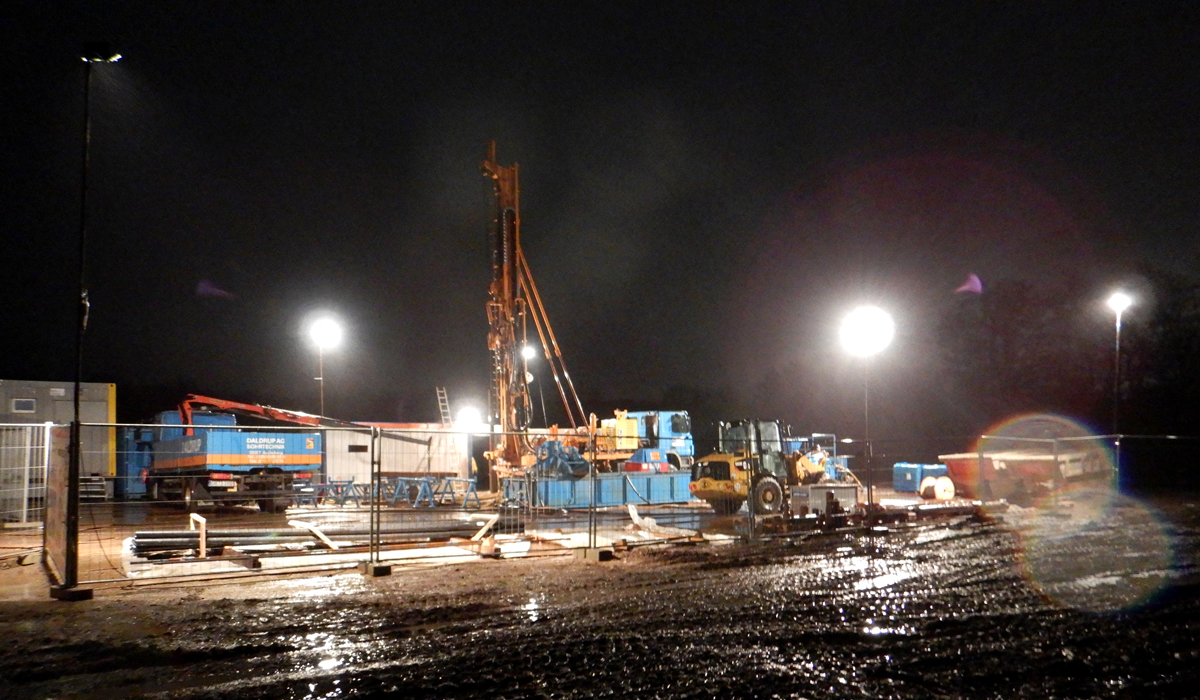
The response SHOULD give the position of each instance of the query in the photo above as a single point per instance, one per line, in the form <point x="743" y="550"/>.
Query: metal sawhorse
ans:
<point x="413" y="490"/>
<point x="341" y="490"/>
<point x="445" y="489"/>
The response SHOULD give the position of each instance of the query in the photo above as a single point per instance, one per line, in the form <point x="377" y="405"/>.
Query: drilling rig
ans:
<point x="513" y="299"/>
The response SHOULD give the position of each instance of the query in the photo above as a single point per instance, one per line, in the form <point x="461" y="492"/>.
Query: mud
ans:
<point x="1091" y="599"/>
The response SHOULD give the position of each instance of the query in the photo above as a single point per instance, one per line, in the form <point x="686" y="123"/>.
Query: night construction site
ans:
<point x="216" y="487"/>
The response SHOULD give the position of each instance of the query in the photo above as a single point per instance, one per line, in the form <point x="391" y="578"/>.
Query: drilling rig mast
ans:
<point x="513" y="297"/>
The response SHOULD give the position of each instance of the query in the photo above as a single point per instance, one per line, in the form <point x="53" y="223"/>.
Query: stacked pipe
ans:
<point x="148" y="542"/>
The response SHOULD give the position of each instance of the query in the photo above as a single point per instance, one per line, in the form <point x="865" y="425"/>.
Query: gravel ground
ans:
<point x="1093" y="598"/>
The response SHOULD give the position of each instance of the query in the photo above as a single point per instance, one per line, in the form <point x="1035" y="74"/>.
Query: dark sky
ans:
<point x="706" y="189"/>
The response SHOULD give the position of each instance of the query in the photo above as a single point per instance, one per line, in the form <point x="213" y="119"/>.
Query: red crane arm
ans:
<point x="193" y="401"/>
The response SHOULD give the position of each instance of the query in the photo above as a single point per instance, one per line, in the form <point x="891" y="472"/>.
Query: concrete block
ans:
<point x="374" y="568"/>
<point x="71" y="595"/>
<point x="594" y="554"/>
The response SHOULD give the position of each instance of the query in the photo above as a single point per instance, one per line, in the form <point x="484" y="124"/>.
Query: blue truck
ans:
<point x="200" y="456"/>
<point x="667" y="431"/>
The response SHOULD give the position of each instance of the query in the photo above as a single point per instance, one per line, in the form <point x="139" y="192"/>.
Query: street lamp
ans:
<point x="1118" y="302"/>
<point x="326" y="333"/>
<point x="866" y="332"/>
<point x="92" y="53"/>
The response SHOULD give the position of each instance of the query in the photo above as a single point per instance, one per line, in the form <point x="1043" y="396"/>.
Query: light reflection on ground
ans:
<point x="933" y="611"/>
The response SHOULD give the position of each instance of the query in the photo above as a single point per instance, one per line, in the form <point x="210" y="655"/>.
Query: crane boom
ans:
<point x="194" y="401"/>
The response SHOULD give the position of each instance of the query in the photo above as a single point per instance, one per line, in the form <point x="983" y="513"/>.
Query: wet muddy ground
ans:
<point x="1094" y="597"/>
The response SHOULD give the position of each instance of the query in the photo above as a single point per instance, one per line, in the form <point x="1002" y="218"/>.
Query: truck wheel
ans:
<point x="189" y="496"/>
<point x="727" y="506"/>
<point x="273" y="505"/>
<point x="767" y="498"/>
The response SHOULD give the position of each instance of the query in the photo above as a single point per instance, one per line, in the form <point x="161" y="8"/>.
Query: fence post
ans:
<point x="1116" y="478"/>
<point x="28" y="452"/>
<point x="68" y="590"/>
<point x="374" y="567"/>
<point x="750" y="487"/>
<point x="592" y="489"/>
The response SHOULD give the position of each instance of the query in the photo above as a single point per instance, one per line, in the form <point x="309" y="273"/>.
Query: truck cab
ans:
<point x="669" y="432"/>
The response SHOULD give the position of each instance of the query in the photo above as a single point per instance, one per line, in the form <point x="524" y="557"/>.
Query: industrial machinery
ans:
<point x="513" y="299"/>
<point x="668" y="432"/>
<point x="760" y="462"/>
<point x="197" y="454"/>
<point x="543" y="469"/>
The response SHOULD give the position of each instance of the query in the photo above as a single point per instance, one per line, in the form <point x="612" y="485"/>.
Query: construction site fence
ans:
<point x="136" y="509"/>
<point x="363" y="493"/>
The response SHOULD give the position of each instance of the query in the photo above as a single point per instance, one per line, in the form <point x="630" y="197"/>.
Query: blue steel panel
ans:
<point x="610" y="490"/>
<point x="614" y="490"/>
<point x="660" y="490"/>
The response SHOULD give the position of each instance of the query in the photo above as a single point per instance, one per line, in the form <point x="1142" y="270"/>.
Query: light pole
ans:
<point x="1118" y="302"/>
<point x="865" y="332"/>
<point x="92" y="53"/>
<point x="326" y="333"/>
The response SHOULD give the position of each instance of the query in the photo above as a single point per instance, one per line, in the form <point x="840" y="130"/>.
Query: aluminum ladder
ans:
<point x="444" y="406"/>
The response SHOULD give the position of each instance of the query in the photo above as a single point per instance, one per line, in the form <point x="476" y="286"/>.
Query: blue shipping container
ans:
<point x="908" y="477"/>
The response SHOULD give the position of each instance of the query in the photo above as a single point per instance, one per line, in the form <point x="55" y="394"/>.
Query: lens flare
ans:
<point x="1081" y="543"/>
<point x="1095" y="550"/>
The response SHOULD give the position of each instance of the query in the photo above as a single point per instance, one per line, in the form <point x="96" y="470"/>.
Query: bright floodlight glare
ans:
<point x="326" y="333"/>
<point x="469" y="417"/>
<point x="99" y="52"/>
<point x="528" y="352"/>
<point x="867" y="331"/>
<point x="1119" y="301"/>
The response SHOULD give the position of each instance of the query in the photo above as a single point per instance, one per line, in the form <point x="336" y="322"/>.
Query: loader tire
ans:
<point x="767" y="497"/>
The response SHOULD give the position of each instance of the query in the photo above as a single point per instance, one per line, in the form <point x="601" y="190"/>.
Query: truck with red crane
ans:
<point x="199" y="453"/>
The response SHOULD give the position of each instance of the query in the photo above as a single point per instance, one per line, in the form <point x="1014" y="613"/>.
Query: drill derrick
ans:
<point x="506" y="309"/>
<point x="512" y="299"/>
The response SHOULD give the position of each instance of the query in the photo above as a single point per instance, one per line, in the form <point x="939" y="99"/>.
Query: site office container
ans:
<point x="405" y="450"/>
<point x="28" y="402"/>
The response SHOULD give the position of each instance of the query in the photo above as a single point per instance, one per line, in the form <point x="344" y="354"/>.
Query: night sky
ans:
<point x="706" y="190"/>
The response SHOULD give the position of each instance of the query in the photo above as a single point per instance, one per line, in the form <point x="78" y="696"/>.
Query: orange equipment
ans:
<point x="512" y="296"/>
